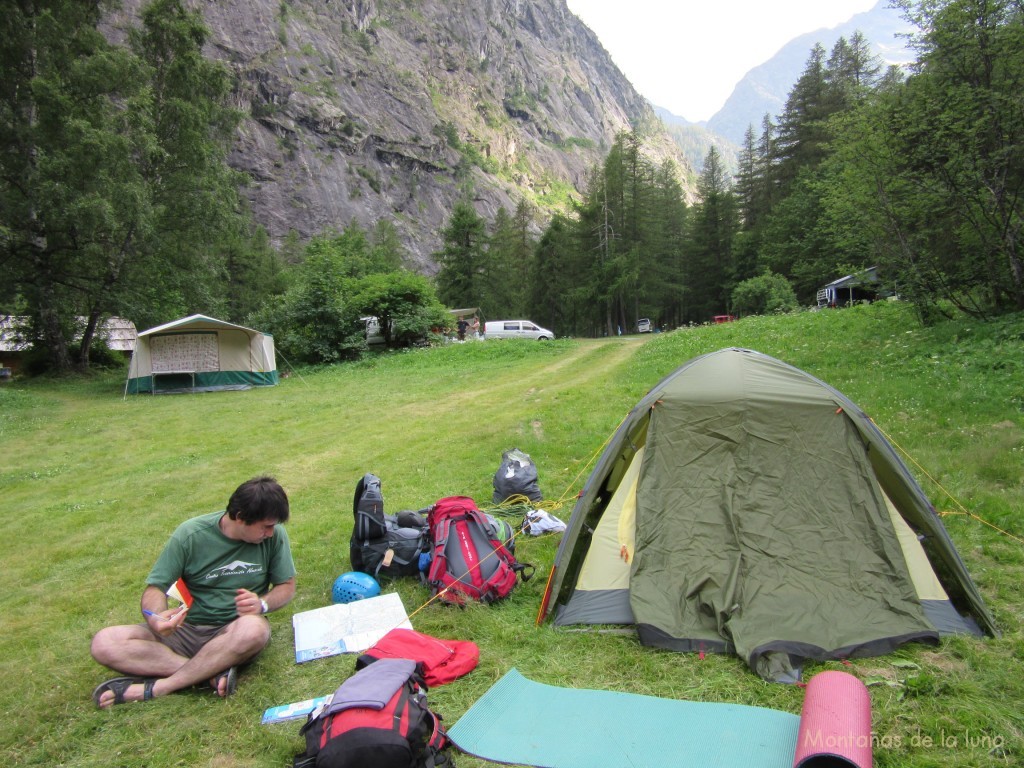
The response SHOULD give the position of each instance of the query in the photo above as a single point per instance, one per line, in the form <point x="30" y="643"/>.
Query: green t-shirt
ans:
<point x="214" y="566"/>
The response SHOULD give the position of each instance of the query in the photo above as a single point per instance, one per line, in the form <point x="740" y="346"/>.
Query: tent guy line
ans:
<point x="963" y="510"/>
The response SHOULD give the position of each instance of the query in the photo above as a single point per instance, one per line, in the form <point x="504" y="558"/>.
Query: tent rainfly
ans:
<point x="744" y="506"/>
<point x="201" y="354"/>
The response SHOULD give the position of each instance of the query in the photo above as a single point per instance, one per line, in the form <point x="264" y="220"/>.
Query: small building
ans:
<point x="865" y="285"/>
<point x="117" y="333"/>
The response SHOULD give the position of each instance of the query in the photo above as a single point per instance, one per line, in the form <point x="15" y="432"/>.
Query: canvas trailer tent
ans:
<point x="201" y="354"/>
<point x="744" y="506"/>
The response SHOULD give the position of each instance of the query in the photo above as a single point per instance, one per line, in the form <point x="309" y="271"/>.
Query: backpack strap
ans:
<point x="400" y="719"/>
<point x="437" y="740"/>
<point x="525" y="570"/>
<point x="387" y="562"/>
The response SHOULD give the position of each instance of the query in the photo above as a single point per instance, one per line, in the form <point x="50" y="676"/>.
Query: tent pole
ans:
<point x="129" y="377"/>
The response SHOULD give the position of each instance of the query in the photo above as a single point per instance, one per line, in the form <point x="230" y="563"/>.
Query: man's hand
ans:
<point x="166" y="622"/>
<point x="247" y="603"/>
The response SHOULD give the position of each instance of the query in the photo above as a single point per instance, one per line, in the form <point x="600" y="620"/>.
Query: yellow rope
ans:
<point x="593" y="457"/>
<point x="983" y="521"/>
<point x="963" y="510"/>
<point x="520" y="504"/>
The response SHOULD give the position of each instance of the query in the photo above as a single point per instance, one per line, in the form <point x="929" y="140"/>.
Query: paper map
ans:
<point x="347" y="627"/>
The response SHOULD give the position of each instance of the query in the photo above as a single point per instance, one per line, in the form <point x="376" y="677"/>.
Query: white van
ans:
<point x="374" y="334"/>
<point x="516" y="329"/>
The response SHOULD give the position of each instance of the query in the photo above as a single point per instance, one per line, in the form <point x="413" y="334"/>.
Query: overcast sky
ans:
<point x="687" y="55"/>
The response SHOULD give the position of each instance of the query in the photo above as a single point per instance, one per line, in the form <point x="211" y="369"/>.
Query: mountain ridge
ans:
<point x="362" y="110"/>
<point x="763" y="89"/>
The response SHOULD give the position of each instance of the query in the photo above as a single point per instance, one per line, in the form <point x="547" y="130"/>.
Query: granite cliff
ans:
<point x="362" y="110"/>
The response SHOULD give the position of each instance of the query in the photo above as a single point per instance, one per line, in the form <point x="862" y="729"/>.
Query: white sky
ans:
<point x="687" y="55"/>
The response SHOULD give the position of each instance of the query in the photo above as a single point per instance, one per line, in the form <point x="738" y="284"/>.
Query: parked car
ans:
<point x="374" y="334"/>
<point x="516" y="329"/>
<point x="643" y="325"/>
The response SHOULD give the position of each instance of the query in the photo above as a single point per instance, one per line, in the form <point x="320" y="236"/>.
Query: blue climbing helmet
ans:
<point x="353" y="586"/>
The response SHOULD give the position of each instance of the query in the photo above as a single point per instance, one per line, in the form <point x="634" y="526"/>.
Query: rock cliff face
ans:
<point x="362" y="110"/>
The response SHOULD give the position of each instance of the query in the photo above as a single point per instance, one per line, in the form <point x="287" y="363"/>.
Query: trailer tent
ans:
<point x="201" y="354"/>
<point x="745" y="506"/>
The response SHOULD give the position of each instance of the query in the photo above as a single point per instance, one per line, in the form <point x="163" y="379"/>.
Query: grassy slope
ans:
<point x="94" y="483"/>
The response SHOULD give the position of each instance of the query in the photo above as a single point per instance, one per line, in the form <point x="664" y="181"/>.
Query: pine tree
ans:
<point x="663" y="271"/>
<point x="851" y="73"/>
<point x="713" y="226"/>
<point x="504" y="280"/>
<point x="115" y="195"/>
<point x="555" y="292"/>
<point x="802" y="131"/>
<point x="767" y="193"/>
<point x="386" y="247"/>
<point x="748" y="180"/>
<point x="462" y="257"/>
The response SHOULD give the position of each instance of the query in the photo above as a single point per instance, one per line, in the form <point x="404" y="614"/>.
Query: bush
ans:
<point x="766" y="294"/>
<point x="404" y="303"/>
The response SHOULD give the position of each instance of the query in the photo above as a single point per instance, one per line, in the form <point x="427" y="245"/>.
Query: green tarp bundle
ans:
<point x="745" y="506"/>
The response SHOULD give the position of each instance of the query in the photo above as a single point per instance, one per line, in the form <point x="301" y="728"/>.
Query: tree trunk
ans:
<point x="50" y="332"/>
<point x="88" y="335"/>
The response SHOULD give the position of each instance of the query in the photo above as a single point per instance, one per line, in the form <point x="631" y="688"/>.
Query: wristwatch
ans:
<point x="264" y="606"/>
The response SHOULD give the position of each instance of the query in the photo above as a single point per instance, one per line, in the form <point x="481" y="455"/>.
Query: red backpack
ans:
<point x="378" y="718"/>
<point x="467" y="560"/>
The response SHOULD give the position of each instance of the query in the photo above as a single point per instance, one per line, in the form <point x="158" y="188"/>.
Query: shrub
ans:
<point x="762" y="295"/>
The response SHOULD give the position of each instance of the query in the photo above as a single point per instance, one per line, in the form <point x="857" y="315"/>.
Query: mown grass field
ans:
<point x="93" y="483"/>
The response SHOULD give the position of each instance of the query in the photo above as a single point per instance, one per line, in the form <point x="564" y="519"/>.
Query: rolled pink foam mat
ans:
<point x="835" y="724"/>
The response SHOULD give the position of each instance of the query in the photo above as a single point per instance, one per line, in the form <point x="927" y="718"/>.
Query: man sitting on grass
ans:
<point x="237" y="565"/>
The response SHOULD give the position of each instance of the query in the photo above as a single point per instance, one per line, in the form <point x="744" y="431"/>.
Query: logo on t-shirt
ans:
<point x="235" y="568"/>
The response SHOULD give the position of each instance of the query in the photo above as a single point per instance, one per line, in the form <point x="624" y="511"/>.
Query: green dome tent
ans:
<point x="745" y="506"/>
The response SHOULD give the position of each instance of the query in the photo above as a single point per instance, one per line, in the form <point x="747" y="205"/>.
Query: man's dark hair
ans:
<point x="258" y="499"/>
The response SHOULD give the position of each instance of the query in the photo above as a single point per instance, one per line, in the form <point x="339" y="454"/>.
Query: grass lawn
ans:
<point x="93" y="484"/>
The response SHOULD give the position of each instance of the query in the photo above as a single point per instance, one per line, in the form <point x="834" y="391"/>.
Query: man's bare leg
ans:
<point x="241" y="641"/>
<point x="132" y="650"/>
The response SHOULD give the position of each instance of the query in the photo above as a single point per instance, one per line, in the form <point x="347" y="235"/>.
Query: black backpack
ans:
<point x="392" y="556"/>
<point x="382" y="545"/>
<point x="368" y="507"/>
<point x="378" y="718"/>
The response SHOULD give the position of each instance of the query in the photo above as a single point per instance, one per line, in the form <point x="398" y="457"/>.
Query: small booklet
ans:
<point x="295" y="710"/>
<point x="347" y="627"/>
